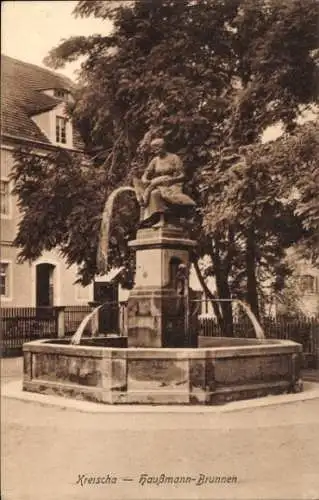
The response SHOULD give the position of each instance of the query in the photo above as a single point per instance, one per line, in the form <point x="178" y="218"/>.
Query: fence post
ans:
<point x="60" y="321"/>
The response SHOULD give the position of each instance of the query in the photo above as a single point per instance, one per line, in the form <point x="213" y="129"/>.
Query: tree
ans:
<point x="254" y="201"/>
<point x="303" y="185"/>
<point x="209" y="76"/>
<point x="61" y="200"/>
<point x="295" y="158"/>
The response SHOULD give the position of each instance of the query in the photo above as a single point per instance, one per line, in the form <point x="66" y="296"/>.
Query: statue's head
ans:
<point x="157" y="146"/>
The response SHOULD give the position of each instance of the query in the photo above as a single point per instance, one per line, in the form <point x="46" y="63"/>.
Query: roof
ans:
<point x="111" y="276"/>
<point x="22" y="97"/>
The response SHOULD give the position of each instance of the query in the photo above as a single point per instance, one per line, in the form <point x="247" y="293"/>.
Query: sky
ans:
<point x="29" y="29"/>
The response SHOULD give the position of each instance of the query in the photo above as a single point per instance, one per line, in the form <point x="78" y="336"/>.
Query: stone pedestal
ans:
<point x="157" y="306"/>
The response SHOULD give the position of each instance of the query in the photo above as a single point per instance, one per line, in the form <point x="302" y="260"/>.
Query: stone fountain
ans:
<point x="159" y="362"/>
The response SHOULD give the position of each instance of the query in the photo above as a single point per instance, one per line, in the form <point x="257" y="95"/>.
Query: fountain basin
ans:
<point x="219" y="370"/>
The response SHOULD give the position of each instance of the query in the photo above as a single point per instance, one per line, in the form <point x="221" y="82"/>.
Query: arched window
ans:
<point x="45" y="285"/>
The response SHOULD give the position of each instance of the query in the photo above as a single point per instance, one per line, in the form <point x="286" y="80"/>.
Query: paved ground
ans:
<point x="49" y="452"/>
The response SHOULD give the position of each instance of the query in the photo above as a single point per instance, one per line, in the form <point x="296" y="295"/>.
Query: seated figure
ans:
<point x="160" y="190"/>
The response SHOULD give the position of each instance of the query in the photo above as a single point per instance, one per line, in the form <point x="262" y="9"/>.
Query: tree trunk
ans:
<point x="252" y="294"/>
<point x="223" y="291"/>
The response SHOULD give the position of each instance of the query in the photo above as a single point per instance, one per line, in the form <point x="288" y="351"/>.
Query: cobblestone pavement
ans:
<point x="49" y="453"/>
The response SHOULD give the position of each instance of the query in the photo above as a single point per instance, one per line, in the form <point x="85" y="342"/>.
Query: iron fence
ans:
<point x="300" y="329"/>
<point x="23" y="324"/>
<point x="304" y="330"/>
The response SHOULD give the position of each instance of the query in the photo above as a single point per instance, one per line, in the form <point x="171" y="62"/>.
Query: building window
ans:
<point x="307" y="283"/>
<point x="61" y="93"/>
<point x="4" y="280"/>
<point x="4" y="197"/>
<point x="60" y="129"/>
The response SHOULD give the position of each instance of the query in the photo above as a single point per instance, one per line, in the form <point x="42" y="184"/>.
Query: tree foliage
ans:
<point x="60" y="198"/>
<point x="209" y="76"/>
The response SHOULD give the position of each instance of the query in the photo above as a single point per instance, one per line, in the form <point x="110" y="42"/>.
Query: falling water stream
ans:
<point x="260" y="334"/>
<point x="76" y="338"/>
<point x="102" y="253"/>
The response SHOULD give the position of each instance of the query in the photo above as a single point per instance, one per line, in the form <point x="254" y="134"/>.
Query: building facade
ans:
<point x="302" y="291"/>
<point x="33" y="109"/>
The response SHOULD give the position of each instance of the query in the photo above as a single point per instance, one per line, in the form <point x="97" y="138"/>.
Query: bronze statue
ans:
<point x="160" y="190"/>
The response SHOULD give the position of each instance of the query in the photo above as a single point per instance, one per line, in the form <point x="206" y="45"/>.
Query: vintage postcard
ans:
<point x="159" y="250"/>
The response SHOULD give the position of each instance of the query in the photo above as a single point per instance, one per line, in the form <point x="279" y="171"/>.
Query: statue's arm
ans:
<point x="162" y="180"/>
<point x="178" y="178"/>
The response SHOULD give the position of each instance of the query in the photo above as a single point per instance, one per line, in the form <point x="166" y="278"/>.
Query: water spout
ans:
<point x="102" y="253"/>
<point x="260" y="334"/>
<point x="76" y="338"/>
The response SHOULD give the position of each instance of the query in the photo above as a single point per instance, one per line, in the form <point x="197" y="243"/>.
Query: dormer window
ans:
<point x="60" y="130"/>
<point x="61" y="94"/>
